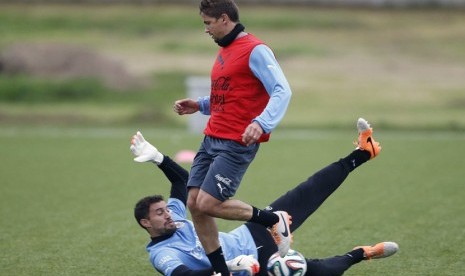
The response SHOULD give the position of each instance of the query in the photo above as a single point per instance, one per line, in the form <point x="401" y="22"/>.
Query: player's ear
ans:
<point x="224" y="18"/>
<point x="145" y="223"/>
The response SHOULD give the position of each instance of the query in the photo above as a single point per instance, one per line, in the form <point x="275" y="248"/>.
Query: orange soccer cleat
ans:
<point x="365" y="138"/>
<point x="379" y="250"/>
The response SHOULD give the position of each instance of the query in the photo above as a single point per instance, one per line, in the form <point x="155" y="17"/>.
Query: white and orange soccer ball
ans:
<point x="293" y="264"/>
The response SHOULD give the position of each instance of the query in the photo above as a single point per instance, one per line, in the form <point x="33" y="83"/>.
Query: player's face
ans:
<point x="159" y="222"/>
<point x="215" y="27"/>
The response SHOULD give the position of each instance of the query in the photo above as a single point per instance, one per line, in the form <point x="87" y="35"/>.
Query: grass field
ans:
<point x="67" y="196"/>
<point x="68" y="182"/>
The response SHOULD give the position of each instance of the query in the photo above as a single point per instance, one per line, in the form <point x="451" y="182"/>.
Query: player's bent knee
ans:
<point x="209" y="207"/>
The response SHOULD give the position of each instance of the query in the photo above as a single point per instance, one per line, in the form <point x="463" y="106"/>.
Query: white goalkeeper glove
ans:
<point x="245" y="263"/>
<point x="144" y="151"/>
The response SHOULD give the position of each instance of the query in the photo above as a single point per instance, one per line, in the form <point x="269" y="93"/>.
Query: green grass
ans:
<point x="66" y="198"/>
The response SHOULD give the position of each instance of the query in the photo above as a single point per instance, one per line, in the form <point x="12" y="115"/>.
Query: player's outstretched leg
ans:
<point x="337" y="265"/>
<point x="379" y="250"/>
<point x="307" y="197"/>
<point x="365" y="138"/>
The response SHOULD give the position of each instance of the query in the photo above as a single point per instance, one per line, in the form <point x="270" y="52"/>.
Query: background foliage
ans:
<point x="402" y="68"/>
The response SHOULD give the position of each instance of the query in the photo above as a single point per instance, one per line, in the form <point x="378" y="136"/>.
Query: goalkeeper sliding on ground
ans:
<point x="175" y="249"/>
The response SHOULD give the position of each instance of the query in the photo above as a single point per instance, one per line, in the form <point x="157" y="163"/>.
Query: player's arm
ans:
<point x="265" y="67"/>
<point x="242" y="263"/>
<point x="166" y="261"/>
<point x="183" y="270"/>
<point x="204" y="105"/>
<point x="190" y="106"/>
<point x="177" y="175"/>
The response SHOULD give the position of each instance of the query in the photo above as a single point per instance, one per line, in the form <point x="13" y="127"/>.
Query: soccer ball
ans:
<point x="293" y="264"/>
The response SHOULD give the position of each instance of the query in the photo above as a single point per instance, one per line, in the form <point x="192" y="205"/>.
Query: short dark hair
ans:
<point x="215" y="8"/>
<point x="142" y="208"/>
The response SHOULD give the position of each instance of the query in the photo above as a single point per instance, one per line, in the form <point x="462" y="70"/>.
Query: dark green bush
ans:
<point x="28" y="89"/>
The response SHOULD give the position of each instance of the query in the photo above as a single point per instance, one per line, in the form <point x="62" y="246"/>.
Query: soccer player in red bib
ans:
<point x="249" y="96"/>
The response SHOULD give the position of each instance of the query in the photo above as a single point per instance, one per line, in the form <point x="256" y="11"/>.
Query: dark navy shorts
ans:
<point x="219" y="166"/>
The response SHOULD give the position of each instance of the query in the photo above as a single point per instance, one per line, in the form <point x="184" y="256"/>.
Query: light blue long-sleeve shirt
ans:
<point x="265" y="67"/>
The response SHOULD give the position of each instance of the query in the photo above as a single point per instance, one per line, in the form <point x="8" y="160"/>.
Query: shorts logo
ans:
<point x="226" y="181"/>
<point x="223" y="183"/>
<point x="220" y="187"/>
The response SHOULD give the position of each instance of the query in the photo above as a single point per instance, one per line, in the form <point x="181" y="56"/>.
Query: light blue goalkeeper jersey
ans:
<point x="184" y="247"/>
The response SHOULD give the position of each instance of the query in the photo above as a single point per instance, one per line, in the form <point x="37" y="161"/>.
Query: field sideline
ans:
<point x="67" y="197"/>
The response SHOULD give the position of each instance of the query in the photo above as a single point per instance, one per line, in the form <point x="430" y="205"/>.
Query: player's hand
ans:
<point x="252" y="133"/>
<point x="143" y="150"/>
<point x="244" y="263"/>
<point x="185" y="106"/>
